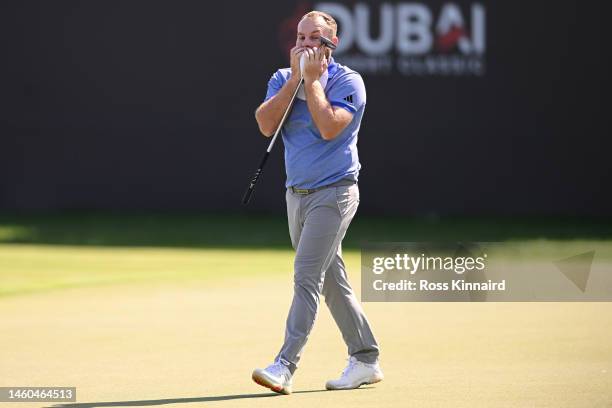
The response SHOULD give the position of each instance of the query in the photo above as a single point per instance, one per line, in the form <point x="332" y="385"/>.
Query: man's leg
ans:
<point x="347" y="312"/>
<point x="326" y="218"/>
<point x="363" y="367"/>
<point x="278" y="376"/>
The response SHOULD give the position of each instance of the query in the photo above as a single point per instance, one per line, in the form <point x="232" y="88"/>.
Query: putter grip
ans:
<point x="247" y="194"/>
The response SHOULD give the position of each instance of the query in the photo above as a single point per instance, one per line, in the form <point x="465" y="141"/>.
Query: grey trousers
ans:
<point x="317" y="225"/>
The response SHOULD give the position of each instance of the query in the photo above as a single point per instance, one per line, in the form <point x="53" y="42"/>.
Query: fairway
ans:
<point x="185" y="327"/>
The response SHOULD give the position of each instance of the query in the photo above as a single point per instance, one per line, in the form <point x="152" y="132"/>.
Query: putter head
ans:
<point x="328" y="43"/>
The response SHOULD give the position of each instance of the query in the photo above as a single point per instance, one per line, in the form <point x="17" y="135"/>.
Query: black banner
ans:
<point x="473" y="107"/>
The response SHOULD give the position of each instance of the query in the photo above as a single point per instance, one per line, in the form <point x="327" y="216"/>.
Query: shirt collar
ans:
<point x="332" y="67"/>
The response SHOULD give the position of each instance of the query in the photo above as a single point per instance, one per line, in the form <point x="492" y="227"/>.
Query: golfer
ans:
<point x="322" y="166"/>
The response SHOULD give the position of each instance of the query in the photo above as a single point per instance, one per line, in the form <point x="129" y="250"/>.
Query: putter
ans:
<point x="326" y="42"/>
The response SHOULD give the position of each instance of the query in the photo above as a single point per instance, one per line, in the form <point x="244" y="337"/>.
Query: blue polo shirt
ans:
<point x="310" y="160"/>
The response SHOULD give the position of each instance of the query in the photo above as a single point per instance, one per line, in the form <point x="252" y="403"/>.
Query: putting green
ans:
<point x="181" y="328"/>
<point x="36" y="268"/>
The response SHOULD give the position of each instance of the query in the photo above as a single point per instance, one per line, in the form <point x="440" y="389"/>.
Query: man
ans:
<point x="322" y="166"/>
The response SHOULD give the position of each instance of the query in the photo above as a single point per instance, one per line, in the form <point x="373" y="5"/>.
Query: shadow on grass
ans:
<point x="180" y="400"/>
<point x="270" y="232"/>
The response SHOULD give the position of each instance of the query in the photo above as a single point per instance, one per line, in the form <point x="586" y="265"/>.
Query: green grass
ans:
<point x="257" y="231"/>
<point x="53" y="251"/>
<point x="35" y="268"/>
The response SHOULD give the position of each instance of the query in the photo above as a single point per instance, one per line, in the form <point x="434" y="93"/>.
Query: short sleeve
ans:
<point x="275" y="84"/>
<point x="348" y="92"/>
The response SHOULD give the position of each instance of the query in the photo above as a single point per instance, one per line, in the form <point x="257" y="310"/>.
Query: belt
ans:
<point x="306" y="191"/>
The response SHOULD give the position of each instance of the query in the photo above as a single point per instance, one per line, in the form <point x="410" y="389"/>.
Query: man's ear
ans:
<point x="335" y="40"/>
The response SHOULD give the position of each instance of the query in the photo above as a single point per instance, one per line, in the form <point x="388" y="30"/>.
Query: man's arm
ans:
<point x="269" y="113"/>
<point x="330" y="120"/>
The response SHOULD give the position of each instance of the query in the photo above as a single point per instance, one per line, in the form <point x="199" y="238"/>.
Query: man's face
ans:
<point x="309" y="33"/>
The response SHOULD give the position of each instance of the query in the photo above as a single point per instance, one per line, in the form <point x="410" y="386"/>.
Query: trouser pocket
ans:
<point x="347" y="198"/>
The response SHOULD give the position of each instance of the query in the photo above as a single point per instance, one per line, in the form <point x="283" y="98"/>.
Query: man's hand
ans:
<point x="315" y="64"/>
<point x="294" y="60"/>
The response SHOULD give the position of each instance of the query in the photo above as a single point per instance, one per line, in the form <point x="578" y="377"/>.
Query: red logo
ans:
<point x="449" y="41"/>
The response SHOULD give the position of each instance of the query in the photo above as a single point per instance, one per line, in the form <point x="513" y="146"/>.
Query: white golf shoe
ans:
<point x="276" y="377"/>
<point x="355" y="375"/>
